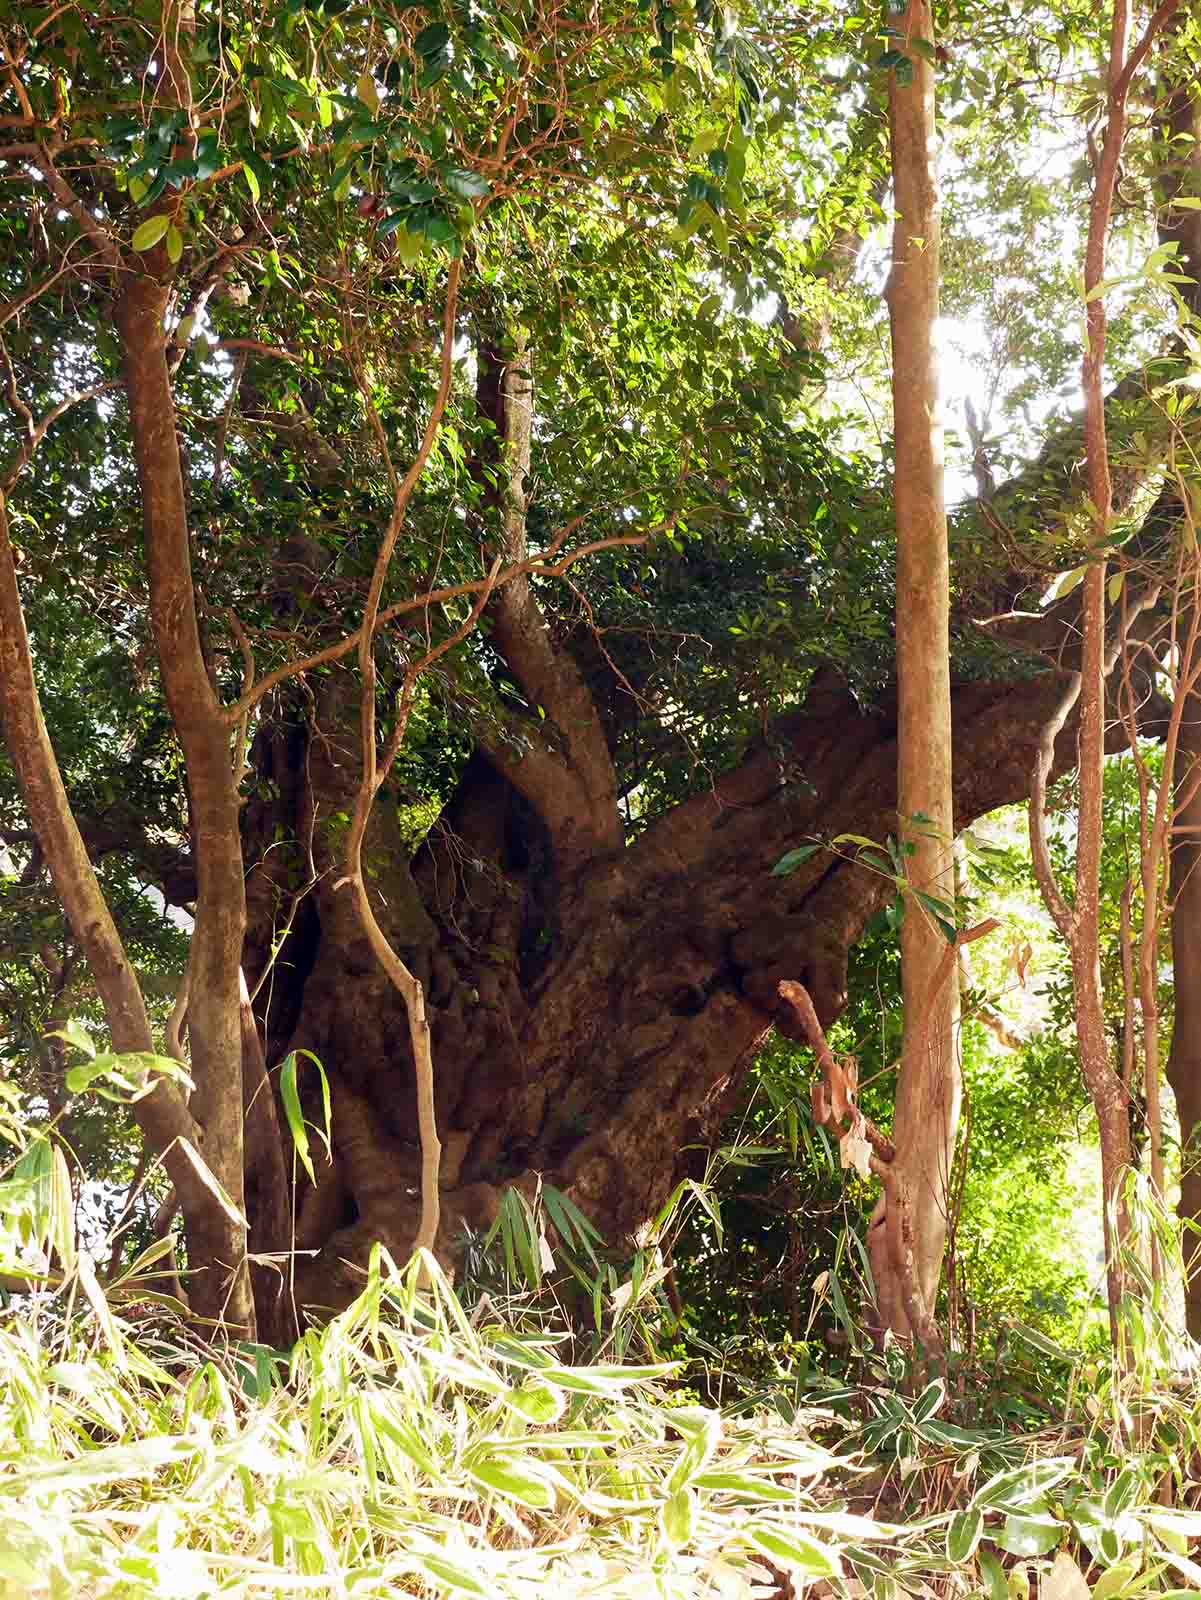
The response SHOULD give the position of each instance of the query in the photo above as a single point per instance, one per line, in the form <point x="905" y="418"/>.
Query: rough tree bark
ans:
<point x="589" y="1004"/>
<point x="580" y="1024"/>
<point x="907" y="1246"/>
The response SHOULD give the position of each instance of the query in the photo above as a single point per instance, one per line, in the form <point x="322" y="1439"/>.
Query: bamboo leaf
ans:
<point x="207" y="1177"/>
<point x="806" y="1555"/>
<point x="501" y="1475"/>
<point x="963" y="1535"/>
<point x="678" y="1517"/>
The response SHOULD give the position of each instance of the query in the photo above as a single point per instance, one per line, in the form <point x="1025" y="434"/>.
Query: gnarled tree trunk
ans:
<point x="584" y="1017"/>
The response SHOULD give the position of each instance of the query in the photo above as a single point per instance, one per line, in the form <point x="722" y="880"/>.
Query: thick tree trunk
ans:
<point x="581" y="1025"/>
<point x="910" y="1229"/>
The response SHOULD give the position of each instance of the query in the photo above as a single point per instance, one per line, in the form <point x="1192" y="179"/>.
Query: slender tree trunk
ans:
<point x="909" y="1256"/>
<point x="1079" y="923"/>
<point x="163" y="1116"/>
<point x="1181" y="154"/>
<point x="215" y="1238"/>
<point x="1184" y="1062"/>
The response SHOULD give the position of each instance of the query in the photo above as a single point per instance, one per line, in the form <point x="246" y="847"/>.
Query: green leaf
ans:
<point x="1068" y="582"/>
<point x="62" y="1212"/>
<point x="745" y="1485"/>
<point x="963" y="1535"/>
<point x="174" y="244"/>
<point x="993" y="1574"/>
<point x="929" y="1401"/>
<point x="74" y="1032"/>
<point x="1122" y="1493"/>
<point x="1019" y="1486"/>
<point x="877" y="863"/>
<point x="1025" y="1535"/>
<point x="792" y="859"/>
<point x="445" y="1571"/>
<point x="807" y="1555"/>
<point x="1175" y="1528"/>
<point x="1039" y="1341"/>
<point x="432" y="40"/>
<point x="132" y="1073"/>
<point x="145" y="1260"/>
<point x="939" y="908"/>
<point x="368" y="93"/>
<point x="148" y="233"/>
<point x="211" y="1183"/>
<point x="250" y="177"/>
<point x="703" y="1430"/>
<point x="465" y="185"/>
<point x="678" y="1517"/>
<point x="1186" y="1566"/>
<point x="294" y="1116"/>
<point x="537" y="1402"/>
<point x="503" y="1475"/>
<point x="1113" y="1583"/>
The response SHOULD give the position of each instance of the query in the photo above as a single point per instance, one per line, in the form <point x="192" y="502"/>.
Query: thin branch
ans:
<point x="409" y="986"/>
<point x="256" y="347"/>
<point x="343" y="647"/>
<point x="241" y="769"/>
<point x="419" y="666"/>
<point x="62" y="191"/>
<point x="1139" y="54"/>
<point x="39" y="429"/>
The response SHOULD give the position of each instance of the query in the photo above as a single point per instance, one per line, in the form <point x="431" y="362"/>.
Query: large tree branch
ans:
<point x="570" y="782"/>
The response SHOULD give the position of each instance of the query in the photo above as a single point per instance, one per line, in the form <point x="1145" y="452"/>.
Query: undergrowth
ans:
<point x="429" y="1442"/>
